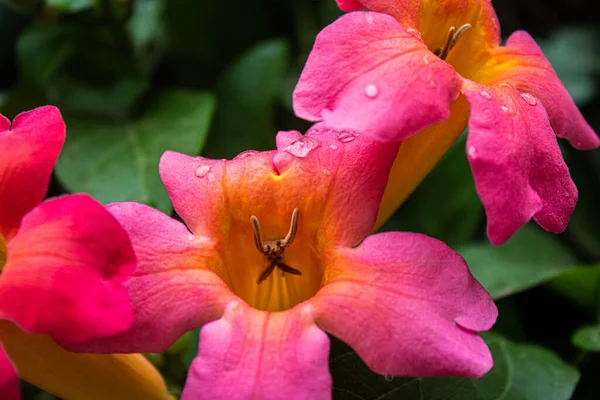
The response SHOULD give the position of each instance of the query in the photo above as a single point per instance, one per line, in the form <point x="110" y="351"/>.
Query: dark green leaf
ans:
<point x="70" y="5"/>
<point x="521" y="372"/>
<point x="119" y="161"/>
<point x="587" y="338"/>
<point x="247" y="93"/>
<point x="529" y="258"/>
<point x="192" y="350"/>
<point x="579" y="285"/>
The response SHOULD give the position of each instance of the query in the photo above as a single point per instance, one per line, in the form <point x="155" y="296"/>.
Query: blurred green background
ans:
<point x="134" y="78"/>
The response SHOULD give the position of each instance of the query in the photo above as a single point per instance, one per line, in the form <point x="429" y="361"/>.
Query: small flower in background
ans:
<point x="417" y="71"/>
<point x="62" y="267"/>
<point x="274" y="254"/>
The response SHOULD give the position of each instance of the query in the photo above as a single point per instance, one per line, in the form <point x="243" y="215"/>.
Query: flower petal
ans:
<point x="65" y="271"/>
<point x="517" y="165"/>
<point x="9" y="384"/>
<point x="352" y="169"/>
<point x="250" y="354"/>
<point x="522" y="64"/>
<point x="366" y="73"/>
<point x="420" y="303"/>
<point x="43" y="363"/>
<point x="350" y="5"/>
<point x="172" y="289"/>
<point x="29" y="151"/>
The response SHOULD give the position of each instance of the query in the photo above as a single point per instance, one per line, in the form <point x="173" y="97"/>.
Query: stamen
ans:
<point x="453" y="36"/>
<point x="273" y="251"/>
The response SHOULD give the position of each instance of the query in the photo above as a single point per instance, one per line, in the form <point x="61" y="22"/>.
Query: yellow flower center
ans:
<point x="459" y="34"/>
<point x="3" y="252"/>
<point x="273" y="264"/>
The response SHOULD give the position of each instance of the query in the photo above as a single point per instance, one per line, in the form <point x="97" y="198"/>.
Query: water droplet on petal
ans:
<point x="326" y="172"/>
<point x="504" y="109"/>
<point x="202" y="170"/>
<point x="529" y="99"/>
<point x="413" y="31"/>
<point x="426" y="59"/>
<point x="371" y="91"/>
<point x="314" y="131"/>
<point x="245" y="154"/>
<point x="301" y="147"/>
<point x="567" y="195"/>
<point x="472" y="151"/>
<point x="485" y="95"/>
<point x="333" y="147"/>
<point x="345" y="137"/>
<point x="388" y="378"/>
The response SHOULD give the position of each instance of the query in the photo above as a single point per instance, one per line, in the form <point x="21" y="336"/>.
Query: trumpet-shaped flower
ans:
<point x="417" y="71"/>
<point x="274" y="255"/>
<point x="62" y="261"/>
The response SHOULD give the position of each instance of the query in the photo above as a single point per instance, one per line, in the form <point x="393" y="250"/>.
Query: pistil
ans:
<point x="453" y="36"/>
<point x="273" y="250"/>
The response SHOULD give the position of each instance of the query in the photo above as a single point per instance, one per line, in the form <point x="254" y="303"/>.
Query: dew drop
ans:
<point x="202" y="170"/>
<point x="345" y="137"/>
<point x="472" y="151"/>
<point x="529" y="99"/>
<point x="485" y="95"/>
<point x="413" y="31"/>
<point x="326" y="171"/>
<point x="371" y="91"/>
<point x="315" y="131"/>
<point x="245" y="154"/>
<point x="504" y="109"/>
<point x="301" y="147"/>
<point x="388" y="378"/>
<point x="426" y="59"/>
<point x="333" y="147"/>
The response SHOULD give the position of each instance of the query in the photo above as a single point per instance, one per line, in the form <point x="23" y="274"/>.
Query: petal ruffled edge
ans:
<point x="65" y="271"/>
<point x="516" y="162"/>
<point x="29" y="151"/>
<point x="269" y="356"/>
<point x="173" y="288"/>
<point x="420" y="303"/>
<point x="368" y="74"/>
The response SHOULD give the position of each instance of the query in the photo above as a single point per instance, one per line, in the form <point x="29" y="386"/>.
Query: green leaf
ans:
<point x="580" y="285"/>
<point x="579" y="43"/>
<point x="119" y="161"/>
<point x="70" y="5"/>
<point x="147" y="32"/>
<point x="247" y="93"/>
<point x="192" y="350"/>
<point x="445" y="205"/>
<point x="529" y="258"/>
<point x="521" y="372"/>
<point x="587" y="338"/>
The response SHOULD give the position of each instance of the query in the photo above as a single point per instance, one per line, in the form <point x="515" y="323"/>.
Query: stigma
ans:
<point x="273" y="250"/>
<point x="453" y="36"/>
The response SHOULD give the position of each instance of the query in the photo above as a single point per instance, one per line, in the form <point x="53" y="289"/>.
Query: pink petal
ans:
<point x="408" y="305"/>
<point x="517" y="165"/>
<point x="251" y="354"/>
<point x="529" y="71"/>
<point x="65" y="271"/>
<point x="347" y="172"/>
<point x="29" y="151"/>
<point x="9" y="384"/>
<point x="172" y="289"/>
<point x="350" y="5"/>
<point x="366" y="73"/>
<point x="195" y="186"/>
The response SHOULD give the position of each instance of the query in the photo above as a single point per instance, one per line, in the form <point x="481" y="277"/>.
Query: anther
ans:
<point x="273" y="251"/>
<point x="453" y="36"/>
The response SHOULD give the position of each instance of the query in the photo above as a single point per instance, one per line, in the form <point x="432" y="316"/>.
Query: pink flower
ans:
<point x="274" y="255"/>
<point x="63" y="261"/>
<point x="416" y="71"/>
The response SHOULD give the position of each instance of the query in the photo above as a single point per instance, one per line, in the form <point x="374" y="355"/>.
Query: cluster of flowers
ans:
<point x="276" y="248"/>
